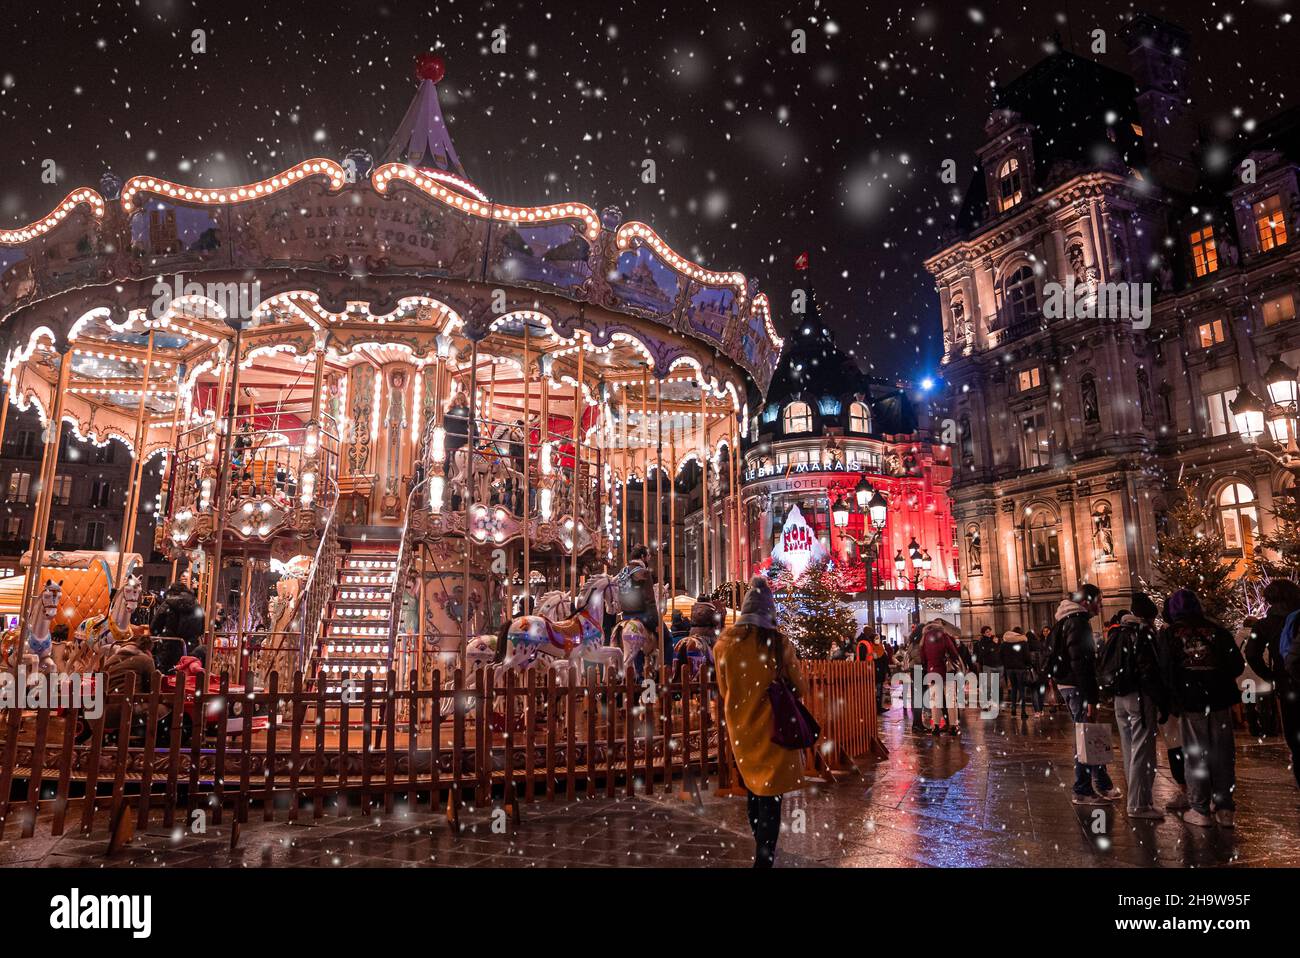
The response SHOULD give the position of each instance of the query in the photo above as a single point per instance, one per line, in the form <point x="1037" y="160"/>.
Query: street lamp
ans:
<point x="874" y="509"/>
<point x="921" y="565"/>
<point x="1251" y="413"/>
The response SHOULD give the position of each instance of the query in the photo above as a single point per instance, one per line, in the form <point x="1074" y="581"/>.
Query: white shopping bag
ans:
<point x="1092" y="744"/>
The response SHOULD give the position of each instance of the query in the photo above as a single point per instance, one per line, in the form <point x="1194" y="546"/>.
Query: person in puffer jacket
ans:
<point x="1072" y="662"/>
<point x="1201" y="663"/>
<point x="938" y="649"/>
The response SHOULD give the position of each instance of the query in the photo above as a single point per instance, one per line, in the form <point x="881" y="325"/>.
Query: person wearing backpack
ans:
<point x="1265" y="654"/>
<point x="1072" y="663"/>
<point x="1130" y="670"/>
<point x="1016" y="667"/>
<point x="1201" y="663"/>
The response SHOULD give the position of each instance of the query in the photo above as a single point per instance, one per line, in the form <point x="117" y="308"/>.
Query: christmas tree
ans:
<point x="1284" y="540"/>
<point x="813" y="613"/>
<point x="1189" y="555"/>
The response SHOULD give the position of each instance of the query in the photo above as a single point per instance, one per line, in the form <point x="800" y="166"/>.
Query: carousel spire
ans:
<point x="422" y="138"/>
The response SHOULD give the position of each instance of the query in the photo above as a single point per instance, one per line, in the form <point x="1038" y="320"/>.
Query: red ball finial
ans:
<point x="430" y="66"/>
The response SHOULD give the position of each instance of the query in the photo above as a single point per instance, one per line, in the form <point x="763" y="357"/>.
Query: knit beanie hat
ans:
<point x="759" y="608"/>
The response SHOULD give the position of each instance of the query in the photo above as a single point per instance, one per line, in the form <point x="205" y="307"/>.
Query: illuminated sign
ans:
<point x="798" y="544"/>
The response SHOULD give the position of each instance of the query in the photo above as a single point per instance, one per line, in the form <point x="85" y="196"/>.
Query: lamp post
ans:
<point x="1278" y="415"/>
<point x="921" y="563"/>
<point x="874" y="508"/>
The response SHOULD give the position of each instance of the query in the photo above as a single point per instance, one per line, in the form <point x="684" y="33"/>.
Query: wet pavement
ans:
<point x="998" y="795"/>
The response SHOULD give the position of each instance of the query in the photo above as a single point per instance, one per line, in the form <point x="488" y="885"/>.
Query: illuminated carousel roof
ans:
<point x="363" y="261"/>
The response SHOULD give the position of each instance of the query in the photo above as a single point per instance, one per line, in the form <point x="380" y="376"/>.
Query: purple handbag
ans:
<point x="792" y="724"/>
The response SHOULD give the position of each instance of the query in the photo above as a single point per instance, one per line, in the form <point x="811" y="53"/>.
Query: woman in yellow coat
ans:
<point x="746" y="657"/>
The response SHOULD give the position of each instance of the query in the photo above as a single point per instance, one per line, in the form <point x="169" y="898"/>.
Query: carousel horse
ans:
<point x="93" y="636"/>
<point x="567" y="643"/>
<point x="36" y="654"/>
<point x="554" y="605"/>
<point x="694" y="651"/>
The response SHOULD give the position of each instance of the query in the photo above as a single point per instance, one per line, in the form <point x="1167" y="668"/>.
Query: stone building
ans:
<point x="1114" y="278"/>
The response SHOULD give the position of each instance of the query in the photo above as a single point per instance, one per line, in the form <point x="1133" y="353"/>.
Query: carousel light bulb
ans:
<point x="544" y="458"/>
<point x="435" y="493"/>
<point x="439" y="450"/>
<point x="544" y="505"/>
<point x="311" y="440"/>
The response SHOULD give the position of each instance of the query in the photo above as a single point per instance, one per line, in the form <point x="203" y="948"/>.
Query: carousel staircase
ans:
<point x="354" y="632"/>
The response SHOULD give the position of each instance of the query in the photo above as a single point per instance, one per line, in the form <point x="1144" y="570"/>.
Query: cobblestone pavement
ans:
<point x="997" y="796"/>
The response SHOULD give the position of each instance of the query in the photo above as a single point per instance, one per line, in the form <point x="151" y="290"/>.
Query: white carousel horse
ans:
<point x="36" y="652"/>
<point x="554" y="605"/>
<point x="567" y="643"/>
<point x="94" y="635"/>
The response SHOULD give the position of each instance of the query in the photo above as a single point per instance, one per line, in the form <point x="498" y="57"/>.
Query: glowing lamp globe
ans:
<point x="1248" y="412"/>
<point x="430" y="66"/>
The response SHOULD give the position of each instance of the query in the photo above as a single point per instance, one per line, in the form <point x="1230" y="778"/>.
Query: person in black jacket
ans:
<point x="1015" y="665"/>
<point x="179" y="616"/>
<point x="1141" y="703"/>
<point x="1073" y="664"/>
<point x="1264" y="655"/>
<point x="1201" y="663"/>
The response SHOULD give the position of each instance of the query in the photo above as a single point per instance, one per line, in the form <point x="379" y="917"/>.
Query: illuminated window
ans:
<point x="1029" y="379"/>
<point x="1211" y="333"/>
<point x="1279" y="309"/>
<point x="14" y="527"/>
<point x="1010" y="191"/>
<point x="1044" y="549"/>
<point x="1020" y="296"/>
<point x="798" y="417"/>
<point x="1205" y="255"/>
<point x="1218" y="414"/>
<point x="1035" y="440"/>
<point x="62" y="490"/>
<point x="1270" y="224"/>
<point x="859" y="417"/>
<point x="1238" y="517"/>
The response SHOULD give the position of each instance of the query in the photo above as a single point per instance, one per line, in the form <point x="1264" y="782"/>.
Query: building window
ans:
<point x="1029" y="379"/>
<point x="20" y="487"/>
<point x="14" y="527"/>
<point x="1270" y="224"/>
<point x="100" y="491"/>
<point x="1211" y="333"/>
<point x="1279" y="309"/>
<point x="798" y="417"/>
<point x="57" y="533"/>
<point x="1205" y="254"/>
<point x="1238" y="518"/>
<point x="26" y="444"/>
<point x="1035" y="440"/>
<point x="859" y="417"/>
<point x="1044" y="550"/>
<point x="62" y="490"/>
<point x="1218" y="415"/>
<point x="1019" y="296"/>
<point x="1010" y="189"/>
<point x="94" y="535"/>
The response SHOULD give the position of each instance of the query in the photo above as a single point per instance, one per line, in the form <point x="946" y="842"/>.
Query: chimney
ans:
<point x="1158" y="59"/>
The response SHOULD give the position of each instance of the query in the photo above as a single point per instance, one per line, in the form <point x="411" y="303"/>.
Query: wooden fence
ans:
<point x="472" y="742"/>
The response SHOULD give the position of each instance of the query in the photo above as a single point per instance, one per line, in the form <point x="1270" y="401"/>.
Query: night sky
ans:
<point x="761" y="153"/>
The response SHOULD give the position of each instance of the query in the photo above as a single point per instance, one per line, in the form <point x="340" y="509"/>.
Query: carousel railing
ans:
<point x="314" y="599"/>
<point x="265" y="462"/>
<point x="470" y="740"/>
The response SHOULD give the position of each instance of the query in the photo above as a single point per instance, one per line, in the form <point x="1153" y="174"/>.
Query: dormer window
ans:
<point x="1010" y="184"/>
<point x="1270" y="224"/>
<point x="1205" y="253"/>
<point x="798" y="418"/>
<point x="859" y="417"/>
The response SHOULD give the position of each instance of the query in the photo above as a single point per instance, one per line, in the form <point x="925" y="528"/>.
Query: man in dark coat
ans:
<point x="1263" y="652"/>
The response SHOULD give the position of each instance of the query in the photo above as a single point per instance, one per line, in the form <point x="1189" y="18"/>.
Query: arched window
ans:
<point x="1044" y="552"/>
<point x="1010" y="189"/>
<point x="1238" y="518"/>
<point x="1019" y="296"/>
<point x="859" y="417"/>
<point x="798" y="417"/>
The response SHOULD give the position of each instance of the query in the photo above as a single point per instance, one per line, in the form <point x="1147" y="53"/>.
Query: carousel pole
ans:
<point x="527" y="511"/>
<point x="132" y="517"/>
<point x="224" y="445"/>
<point x="733" y="554"/>
<point x="469" y="484"/>
<point x="704" y="501"/>
<point x="659" y="495"/>
<point x="171" y="456"/>
<point x="644" y="440"/>
<point x="44" y="495"/>
<point x="672" y="517"/>
<point x="623" y="530"/>
<point x="579" y="407"/>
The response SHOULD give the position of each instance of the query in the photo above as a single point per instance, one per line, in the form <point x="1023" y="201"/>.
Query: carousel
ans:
<point x="393" y="413"/>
